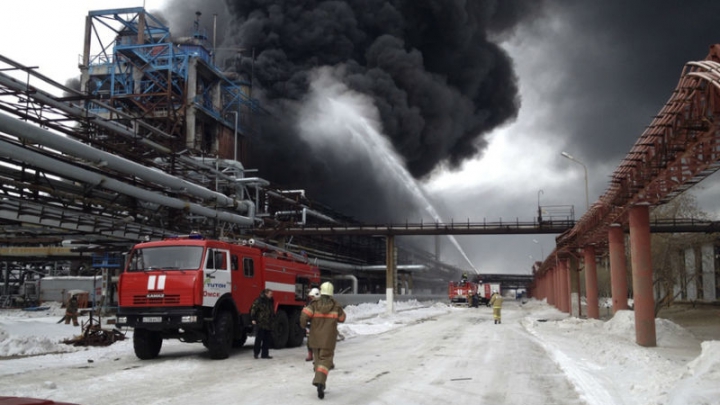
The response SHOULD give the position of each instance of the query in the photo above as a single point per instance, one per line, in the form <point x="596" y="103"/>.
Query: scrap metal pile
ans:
<point x="93" y="334"/>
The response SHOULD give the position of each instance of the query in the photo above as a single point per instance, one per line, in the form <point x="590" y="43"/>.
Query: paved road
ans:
<point x="458" y="357"/>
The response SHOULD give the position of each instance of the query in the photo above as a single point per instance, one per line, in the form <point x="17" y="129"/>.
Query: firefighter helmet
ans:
<point x="327" y="288"/>
<point x="314" y="293"/>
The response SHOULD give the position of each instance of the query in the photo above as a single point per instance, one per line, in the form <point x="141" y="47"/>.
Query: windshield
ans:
<point x="166" y="258"/>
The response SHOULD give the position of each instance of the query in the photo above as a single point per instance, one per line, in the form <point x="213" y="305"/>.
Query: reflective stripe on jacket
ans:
<point x="324" y="314"/>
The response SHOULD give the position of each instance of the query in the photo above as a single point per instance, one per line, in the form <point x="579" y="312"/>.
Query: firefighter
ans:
<point x="262" y="314"/>
<point x="496" y="301"/>
<point x="324" y="314"/>
<point x="475" y="300"/>
<point x="71" y="311"/>
<point x="312" y="296"/>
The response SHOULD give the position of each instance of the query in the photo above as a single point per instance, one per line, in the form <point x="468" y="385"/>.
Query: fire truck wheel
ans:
<point x="281" y="330"/>
<point x="220" y="336"/>
<point x="297" y="332"/>
<point x="147" y="344"/>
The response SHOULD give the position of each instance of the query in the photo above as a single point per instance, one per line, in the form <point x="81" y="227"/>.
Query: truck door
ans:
<point x="248" y="280"/>
<point x="216" y="275"/>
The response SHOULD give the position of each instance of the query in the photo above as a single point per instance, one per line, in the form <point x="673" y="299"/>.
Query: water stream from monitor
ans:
<point x="377" y="145"/>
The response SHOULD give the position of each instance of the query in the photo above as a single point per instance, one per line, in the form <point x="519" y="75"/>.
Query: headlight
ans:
<point x="122" y="319"/>
<point x="189" y="319"/>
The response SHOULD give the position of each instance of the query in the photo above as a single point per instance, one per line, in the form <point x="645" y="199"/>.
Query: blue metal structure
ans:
<point x="132" y="63"/>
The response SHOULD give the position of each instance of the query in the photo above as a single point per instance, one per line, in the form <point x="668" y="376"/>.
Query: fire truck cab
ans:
<point x="198" y="290"/>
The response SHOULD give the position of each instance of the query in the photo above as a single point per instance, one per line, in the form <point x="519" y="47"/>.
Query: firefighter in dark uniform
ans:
<point x="262" y="314"/>
<point x="324" y="314"/>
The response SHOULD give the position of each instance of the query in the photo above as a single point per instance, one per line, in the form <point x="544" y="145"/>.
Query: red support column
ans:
<point x="618" y="268"/>
<point x="563" y="286"/>
<point x="642" y="276"/>
<point x="547" y="285"/>
<point x="551" y="285"/>
<point x="591" y="287"/>
<point x="568" y="288"/>
<point x="556" y="286"/>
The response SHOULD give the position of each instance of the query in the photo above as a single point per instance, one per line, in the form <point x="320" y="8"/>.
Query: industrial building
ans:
<point x="155" y="143"/>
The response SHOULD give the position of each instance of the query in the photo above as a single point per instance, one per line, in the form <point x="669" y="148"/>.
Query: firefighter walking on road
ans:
<point x="324" y="314"/>
<point x="312" y="296"/>
<point x="496" y="302"/>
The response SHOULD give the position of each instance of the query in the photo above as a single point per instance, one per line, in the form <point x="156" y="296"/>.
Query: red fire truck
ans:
<point x="461" y="292"/>
<point x="199" y="290"/>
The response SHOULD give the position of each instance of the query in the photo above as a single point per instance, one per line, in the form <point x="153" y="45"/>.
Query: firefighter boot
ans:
<point x="321" y="390"/>
<point x="309" y="356"/>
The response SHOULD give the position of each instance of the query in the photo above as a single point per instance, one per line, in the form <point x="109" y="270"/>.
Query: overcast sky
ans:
<point x="494" y="93"/>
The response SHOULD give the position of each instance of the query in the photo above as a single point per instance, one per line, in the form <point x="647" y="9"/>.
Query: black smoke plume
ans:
<point x="432" y="68"/>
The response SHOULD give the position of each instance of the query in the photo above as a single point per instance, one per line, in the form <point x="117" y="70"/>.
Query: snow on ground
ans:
<point x="600" y="359"/>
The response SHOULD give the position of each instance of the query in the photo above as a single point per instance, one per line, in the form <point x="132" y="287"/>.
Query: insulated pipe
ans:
<point x="114" y="127"/>
<point x="250" y="209"/>
<point x="37" y="214"/>
<point x="309" y="211"/>
<point x="267" y="246"/>
<point x="405" y="267"/>
<point x="73" y="110"/>
<point x="299" y="191"/>
<point x="353" y="267"/>
<point x="255" y="181"/>
<point x="349" y="277"/>
<point x="318" y="215"/>
<point x="303" y="214"/>
<point x="12" y="151"/>
<point x="34" y="134"/>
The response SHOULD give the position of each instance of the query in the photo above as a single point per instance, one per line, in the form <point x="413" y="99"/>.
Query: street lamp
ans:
<point x="587" y="198"/>
<point x="539" y="209"/>
<point x="236" y="122"/>
<point x="542" y="252"/>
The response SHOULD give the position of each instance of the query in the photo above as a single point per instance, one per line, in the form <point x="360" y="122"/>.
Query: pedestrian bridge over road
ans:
<point x="517" y="227"/>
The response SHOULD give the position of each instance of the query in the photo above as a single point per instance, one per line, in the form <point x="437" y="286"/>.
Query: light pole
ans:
<point x="236" y="122"/>
<point x="587" y="198"/>
<point x="539" y="209"/>
<point x="542" y="252"/>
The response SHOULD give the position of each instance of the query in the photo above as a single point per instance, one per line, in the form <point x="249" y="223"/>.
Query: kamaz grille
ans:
<point x="167" y="300"/>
